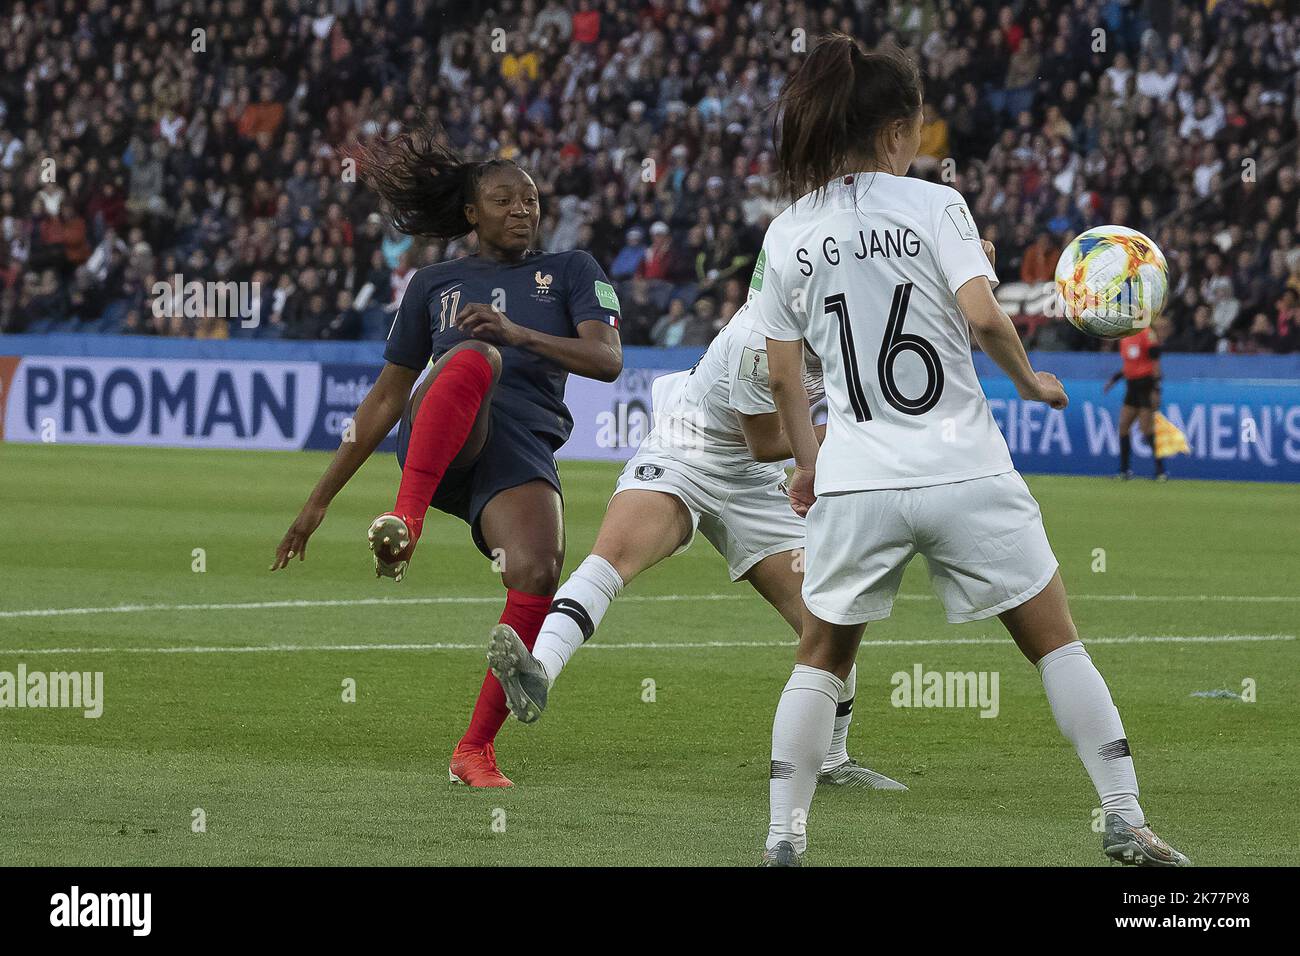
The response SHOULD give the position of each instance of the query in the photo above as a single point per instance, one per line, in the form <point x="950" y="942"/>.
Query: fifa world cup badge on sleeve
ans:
<point x="753" y="366"/>
<point x="962" y="221"/>
<point x="608" y="299"/>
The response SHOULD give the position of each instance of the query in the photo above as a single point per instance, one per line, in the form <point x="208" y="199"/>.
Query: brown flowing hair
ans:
<point x="834" y="107"/>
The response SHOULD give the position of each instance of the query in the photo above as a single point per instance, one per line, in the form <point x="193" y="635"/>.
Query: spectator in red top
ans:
<point x="264" y="116"/>
<point x="1288" y="321"/>
<point x="1039" y="264"/>
<point x="76" y="247"/>
<point x="1012" y="32"/>
<point x="106" y="209"/>
<point x="586" y="23"/>
<point x="573" y="177"/>
<point x="335" y="221"/>
<point x="46" y="239"/>
<point x="660" y="260"/>
<point x="9" y="271"/>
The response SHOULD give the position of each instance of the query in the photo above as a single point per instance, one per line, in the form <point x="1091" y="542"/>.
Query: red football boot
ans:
<point x="392" y="539"/>
<point x="476" y="766"/>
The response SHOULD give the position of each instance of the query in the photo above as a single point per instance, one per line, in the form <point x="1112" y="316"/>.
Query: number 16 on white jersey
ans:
<point x="867" y="274"/>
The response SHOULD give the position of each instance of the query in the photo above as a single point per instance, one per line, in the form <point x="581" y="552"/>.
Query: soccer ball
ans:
<point x="1111" y="281"/>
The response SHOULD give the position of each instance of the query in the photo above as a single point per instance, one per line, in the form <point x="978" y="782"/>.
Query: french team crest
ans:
<point x="543" y="281"/>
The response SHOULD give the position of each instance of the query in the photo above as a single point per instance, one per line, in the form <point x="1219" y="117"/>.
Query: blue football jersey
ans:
<point x="548" y="292"/>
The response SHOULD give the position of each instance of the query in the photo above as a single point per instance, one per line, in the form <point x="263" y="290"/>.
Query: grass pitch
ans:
<point x="1198" y="593"/>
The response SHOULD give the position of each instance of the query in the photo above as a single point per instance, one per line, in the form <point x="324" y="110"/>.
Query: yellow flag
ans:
<point x="1169" y="439"/>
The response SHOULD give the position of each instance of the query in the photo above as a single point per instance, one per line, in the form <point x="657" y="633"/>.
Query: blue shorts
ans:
<point x="512" y="455"/>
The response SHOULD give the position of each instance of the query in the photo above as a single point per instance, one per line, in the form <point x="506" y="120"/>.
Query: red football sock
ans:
<point x="525" y="613"/>
<point x="441" y="427"/>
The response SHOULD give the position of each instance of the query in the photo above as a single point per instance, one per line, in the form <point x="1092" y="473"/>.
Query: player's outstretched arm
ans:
<point x="595" y="353"/>
<point x="998" y="338"/>
<point x="785" y="377"/>
<point x="375" y="418"/>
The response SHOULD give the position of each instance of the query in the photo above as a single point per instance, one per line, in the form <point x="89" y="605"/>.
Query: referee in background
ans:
<point x="1141" y="373"/>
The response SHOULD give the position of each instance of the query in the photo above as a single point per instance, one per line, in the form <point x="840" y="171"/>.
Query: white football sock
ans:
<point x="839" y="749"/>
<point x="1084" y="711"/>
<point x="801" y="732"/>
<point x="576" y="612"/>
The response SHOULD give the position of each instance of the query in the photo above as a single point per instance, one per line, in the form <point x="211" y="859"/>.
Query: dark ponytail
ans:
<point x="424" y="183"/>
<point x="835" y="105"/>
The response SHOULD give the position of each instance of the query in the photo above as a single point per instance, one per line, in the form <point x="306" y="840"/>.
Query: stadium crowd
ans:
<point x="149" y="139"/>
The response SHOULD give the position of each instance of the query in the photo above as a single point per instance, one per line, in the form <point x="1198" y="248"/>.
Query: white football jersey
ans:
<point x="695" y="411"/>
<point x="867" y="275"/>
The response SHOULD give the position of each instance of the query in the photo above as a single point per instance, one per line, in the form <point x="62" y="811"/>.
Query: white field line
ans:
<point x="342" y="602"/>
<point x="634" y="598"/>
<point x="642" y="645"/>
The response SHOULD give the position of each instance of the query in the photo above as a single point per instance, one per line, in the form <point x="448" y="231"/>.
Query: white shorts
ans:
<point x="746" y="521"/>
<point x="982" y="539"/>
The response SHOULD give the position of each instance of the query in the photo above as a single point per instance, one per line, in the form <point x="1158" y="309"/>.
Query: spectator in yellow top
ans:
<point x="212" y="327"/>
<point x="519" y="61"/>
<point x="934" y="141"/>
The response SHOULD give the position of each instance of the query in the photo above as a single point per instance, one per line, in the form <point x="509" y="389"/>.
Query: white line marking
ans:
<point x="347" y="602"/>
<point x="743" y="595"/>
<point x="641" y="645"/>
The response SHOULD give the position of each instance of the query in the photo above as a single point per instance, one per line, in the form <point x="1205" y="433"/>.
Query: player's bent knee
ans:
<point x="533" y="573"/>
<point x="485" y="349"/>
